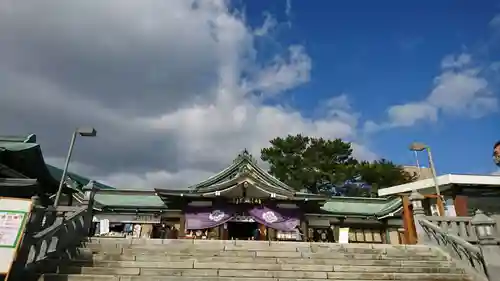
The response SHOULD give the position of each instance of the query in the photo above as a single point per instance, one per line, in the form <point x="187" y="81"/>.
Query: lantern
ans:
<point x="483" y="225"/>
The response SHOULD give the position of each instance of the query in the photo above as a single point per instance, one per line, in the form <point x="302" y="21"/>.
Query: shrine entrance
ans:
<point x="242" y="227"/>
<point x="242" y="230"/>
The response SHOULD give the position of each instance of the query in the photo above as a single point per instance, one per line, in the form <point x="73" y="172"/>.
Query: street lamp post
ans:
<point x="416" y="146"/>
<point x="84" y="132"/>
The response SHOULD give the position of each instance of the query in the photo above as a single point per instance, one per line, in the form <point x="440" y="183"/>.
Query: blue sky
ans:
<point x="385" y="53"/>
<point x="176" y="89"/>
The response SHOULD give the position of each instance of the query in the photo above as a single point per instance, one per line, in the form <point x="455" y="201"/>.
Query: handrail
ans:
<point x="51" y="233"/>
<point x="58" y="223"/>
<point x="457" y="247"/>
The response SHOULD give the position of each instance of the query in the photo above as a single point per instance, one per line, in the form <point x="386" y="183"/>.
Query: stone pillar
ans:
<point x="418" y="212"/>
<point x="90" y="191"/>
<point x="487" y="235"/>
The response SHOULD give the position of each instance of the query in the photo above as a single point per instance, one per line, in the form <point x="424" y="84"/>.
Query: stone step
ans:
<point x="109" y="259"/>
<point x="258" y="246"/>
<point x="264" y="254"/>
<point x="257" y="266"/>
<point x="255" y="270"/>
<point x="204" y="243"/>
<point x="330" y="276"/>
<point x="348" y="248"/>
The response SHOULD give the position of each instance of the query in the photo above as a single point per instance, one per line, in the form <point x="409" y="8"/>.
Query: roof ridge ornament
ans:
<point x="245" y="155"/>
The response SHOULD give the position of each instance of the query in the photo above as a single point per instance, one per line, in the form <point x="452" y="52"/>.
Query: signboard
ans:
<point x="128" y="218"/>
<point x="344" y="235"/>
<point x="14" y="213"/>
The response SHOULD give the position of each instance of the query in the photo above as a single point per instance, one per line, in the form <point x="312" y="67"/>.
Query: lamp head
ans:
<point x="418" y="146"/>
<point x="86" y="132"/>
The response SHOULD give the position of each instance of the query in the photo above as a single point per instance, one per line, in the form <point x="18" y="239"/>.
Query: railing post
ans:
<point x="90" y="190"/>
<point x="418" y="212"/>
<point x="486" y="232"/>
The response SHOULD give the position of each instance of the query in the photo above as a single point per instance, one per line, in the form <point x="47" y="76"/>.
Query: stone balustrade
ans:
<point x="459" y="226"/>
<point x="52" y="233"/>
<point x="473" y="242"/>
<point x="469" y="255"/>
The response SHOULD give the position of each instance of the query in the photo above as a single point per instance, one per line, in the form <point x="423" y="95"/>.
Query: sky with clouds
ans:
<point x="177" y="88"/>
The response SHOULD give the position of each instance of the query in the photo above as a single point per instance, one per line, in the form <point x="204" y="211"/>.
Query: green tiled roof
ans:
<point x="362" y="206"/>
<point x="25" y="156"/>
<point x="129" y="200"/>
<point x="15" y="146"/>
<point x="26" y="139"/>
<point x="79" y="180"/>
<point x="27" y="148"/>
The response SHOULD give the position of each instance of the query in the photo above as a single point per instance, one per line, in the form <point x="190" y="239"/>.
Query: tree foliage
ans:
<point x="317" y="164"/>
<point x="382" y="173"/>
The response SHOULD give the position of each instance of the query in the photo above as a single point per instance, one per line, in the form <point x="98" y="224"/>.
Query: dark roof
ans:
<point x="22" y="156"/>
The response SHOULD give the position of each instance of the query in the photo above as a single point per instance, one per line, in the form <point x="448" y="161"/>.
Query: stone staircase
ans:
<point x="112" y="259"/>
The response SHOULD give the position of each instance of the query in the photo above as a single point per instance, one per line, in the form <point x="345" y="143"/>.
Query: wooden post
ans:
<point x="460" y="203"/>
<point x="408" y="223"/>
<point x="263" y="232"/>
<point x="440" y="204"/>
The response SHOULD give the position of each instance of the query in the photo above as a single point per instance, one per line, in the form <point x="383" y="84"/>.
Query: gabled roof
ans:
<point x="445" y="182"/>
<point x="244" y="162"/>
<point x="361" y="206"/>
<point x="244" y="172"/>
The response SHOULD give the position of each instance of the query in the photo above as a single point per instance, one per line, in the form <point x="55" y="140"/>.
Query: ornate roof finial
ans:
<point x="245" y="155"/>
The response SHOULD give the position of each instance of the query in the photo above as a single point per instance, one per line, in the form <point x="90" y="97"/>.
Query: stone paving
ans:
<point x="114" y="259"/>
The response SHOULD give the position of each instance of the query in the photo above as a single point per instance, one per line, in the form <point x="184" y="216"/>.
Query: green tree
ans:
<point x="316" y="164"/>
<point x="383" y="173"/>
<point x="307" y="162"/>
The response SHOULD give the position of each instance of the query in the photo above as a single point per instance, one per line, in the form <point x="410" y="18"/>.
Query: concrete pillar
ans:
<point x="418" y="212"/>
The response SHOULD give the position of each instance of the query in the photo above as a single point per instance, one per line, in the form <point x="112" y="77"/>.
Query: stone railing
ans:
<point x="473" y="242"/>
<point x="52" y="234"/>
<point x="469" y="255"/>
<point x="459" y="226"/>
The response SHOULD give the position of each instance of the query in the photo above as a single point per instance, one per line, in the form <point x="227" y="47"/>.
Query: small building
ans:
<point x="461" y="195"/>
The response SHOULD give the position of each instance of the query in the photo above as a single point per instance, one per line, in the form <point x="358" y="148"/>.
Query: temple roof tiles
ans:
<point x="25" y="147"/>
<point x="244" y="162"/>
<point x="363" y="206"/>
<point x="131" y="200"/>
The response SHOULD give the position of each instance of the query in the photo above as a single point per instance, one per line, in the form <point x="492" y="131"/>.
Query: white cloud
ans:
<point x="495" y="21"/>
<point x="283" y="74"/>
<point x="288" y="8"/>
<point x="175" y="89"/>
<point x="460" y="89"/>
<point x="452" y="61"/>
<point x="267" y="27"/>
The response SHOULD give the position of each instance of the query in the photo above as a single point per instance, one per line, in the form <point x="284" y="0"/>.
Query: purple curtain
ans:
<point x="282" y="220"/>
<point x="202" y="218"/>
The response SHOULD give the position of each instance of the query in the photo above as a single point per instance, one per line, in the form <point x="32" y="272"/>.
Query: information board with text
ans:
<point x="14" y="213"/>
